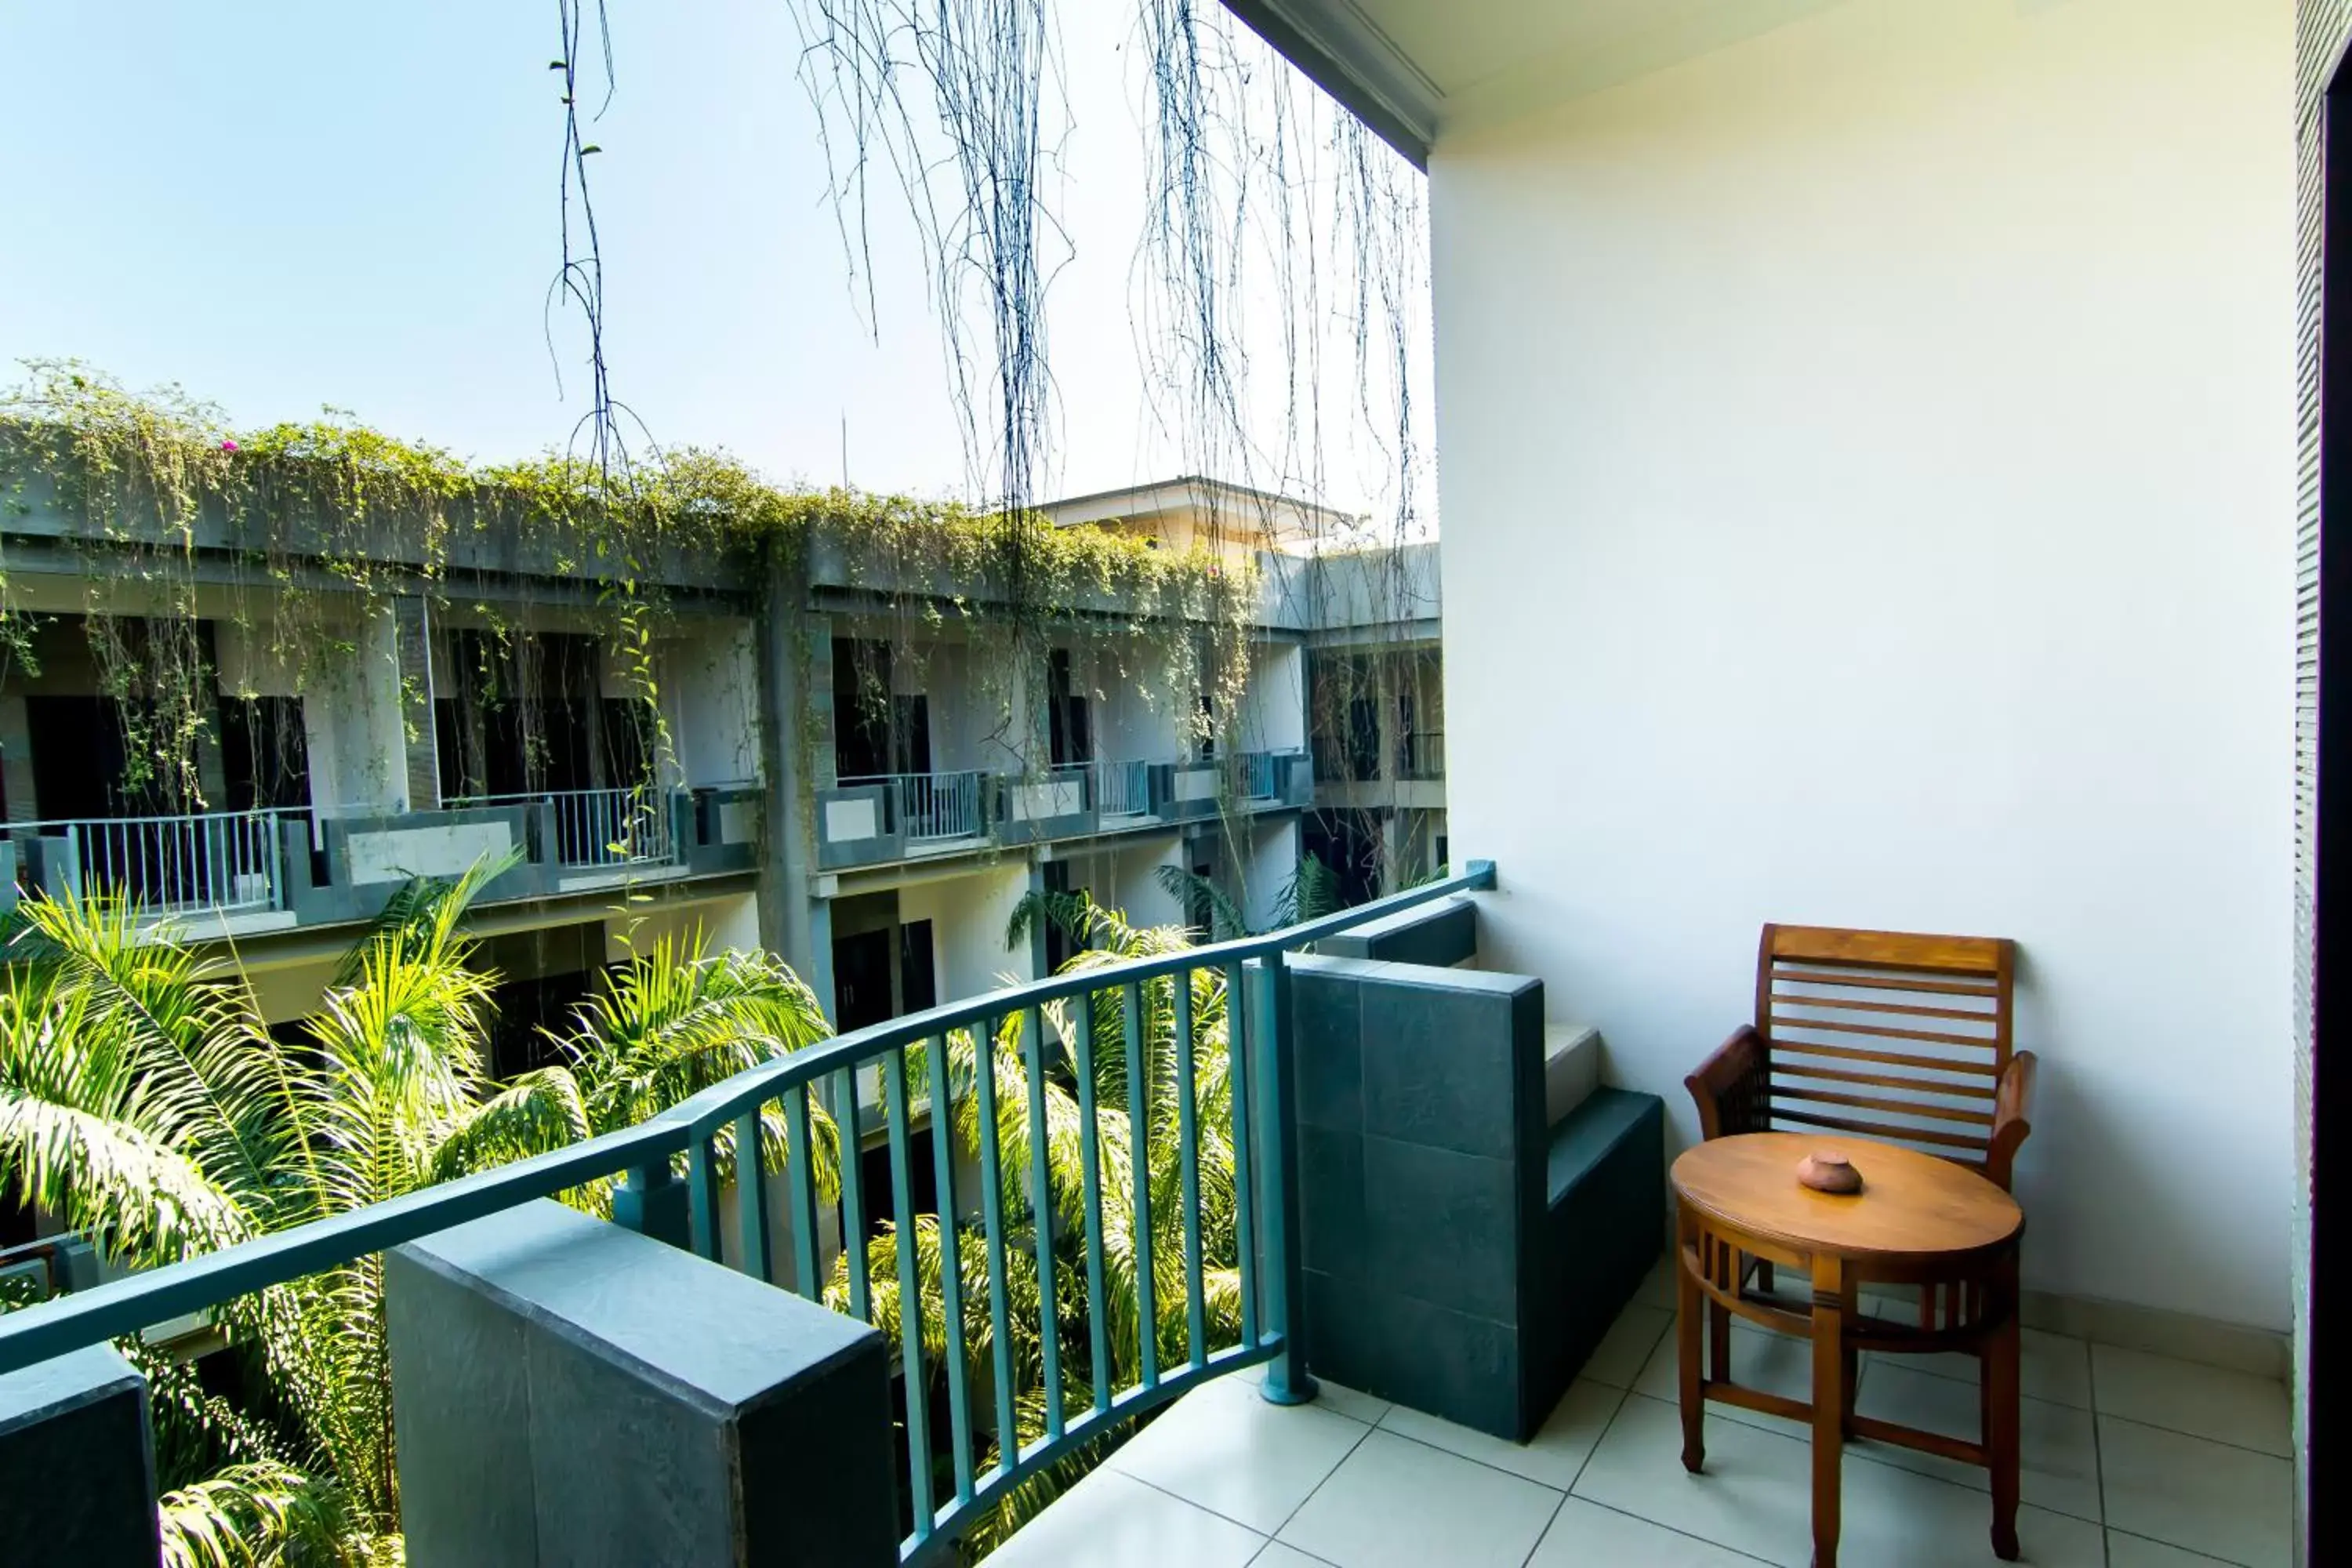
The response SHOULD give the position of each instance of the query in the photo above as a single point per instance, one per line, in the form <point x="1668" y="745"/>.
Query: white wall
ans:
<point x="723" y="924"/>
<point x="353" y="725"/>
<point x="1867" y="465"/>
<point x="1133" y="712"/>
<point x="1274" y="700"/>
<point x="1124" y="876"/>
<point x="713" y="686"/>
<point x="968" y="916"/>
<point x="1273" y="863"/>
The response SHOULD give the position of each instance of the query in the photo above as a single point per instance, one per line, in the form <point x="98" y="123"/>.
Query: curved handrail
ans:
<point x="136" y="1302"/>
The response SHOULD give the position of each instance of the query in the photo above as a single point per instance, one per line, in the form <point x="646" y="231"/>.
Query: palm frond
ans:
<point x="254" y="1515"/>
<point x="537" y="1113"/>
<point x="1187" y="887"/>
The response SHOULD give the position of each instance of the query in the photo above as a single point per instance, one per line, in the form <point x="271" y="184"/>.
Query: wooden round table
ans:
<point x="1919" y="1221"/>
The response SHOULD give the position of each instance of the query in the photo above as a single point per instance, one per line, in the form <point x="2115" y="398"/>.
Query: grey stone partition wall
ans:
<point x="568" y="1392"/>
<point x="76" y="1465"/>
<point x="1463" y="1255"/>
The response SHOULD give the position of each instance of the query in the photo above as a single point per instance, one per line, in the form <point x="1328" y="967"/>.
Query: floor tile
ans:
<point x="1658" y="1285"/>
<point x="2203" y="1400"/>
<point x="2132" y="1551"/>
<point x="1755" y="1497"/>
<point x="1111" y="1520"/>
<point x="2055" y="1367"/>
<point x="2224" y="1501"/>
<point x="2060" y="1443"/>
<point x="1626" y="1347"/>
<point x="1395" y="1503"/>
<point x="1776" y="1363"/>
<point x="1277" y="1555"/>
<point x="1348" y="1401"/>
<point x="1225" y="1448"/>
<point x="1586" y="1535"/>
<point x="1552" y="1459"/>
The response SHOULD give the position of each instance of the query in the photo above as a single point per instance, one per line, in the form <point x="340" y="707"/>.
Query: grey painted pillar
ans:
<point x="76" y="1466"/>
<point x="413" y="646"/>
<point x="796" y="737"/>
<point x="568" y="1392"/>
<point x="17" y="761"/>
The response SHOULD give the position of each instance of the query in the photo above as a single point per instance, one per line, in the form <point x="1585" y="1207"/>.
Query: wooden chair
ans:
<point x="1881" y="1034"/>
<point x="1902" y="1037"/>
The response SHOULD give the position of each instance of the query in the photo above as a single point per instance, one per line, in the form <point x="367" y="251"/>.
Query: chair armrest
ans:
<point x="2013" y="1108"/>
<point x="1730" y="1087"/>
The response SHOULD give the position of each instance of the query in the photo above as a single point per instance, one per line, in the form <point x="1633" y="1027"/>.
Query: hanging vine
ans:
<point x="1259" y="190"/>
<point x="293" y="533"/>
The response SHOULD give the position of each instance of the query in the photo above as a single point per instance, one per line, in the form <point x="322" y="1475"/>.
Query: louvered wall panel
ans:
<point x="2322" y="30"/>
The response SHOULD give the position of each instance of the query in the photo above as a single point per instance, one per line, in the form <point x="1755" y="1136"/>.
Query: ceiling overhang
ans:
<point x="1344" y="53"/>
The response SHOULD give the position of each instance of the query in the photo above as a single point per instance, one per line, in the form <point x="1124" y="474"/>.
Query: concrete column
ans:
<point x="412" y="649"/>
<point x="17" y="761"/>
<point x="796" y="673"/>
<point x="77" y="1463"/>
<point x="568" y="1392"/>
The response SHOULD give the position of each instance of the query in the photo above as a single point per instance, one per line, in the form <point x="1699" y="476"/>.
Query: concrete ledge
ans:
<point x="77" y="1463"/>
<point x="1438" y="935"/>
<point x="570" y="1391"/>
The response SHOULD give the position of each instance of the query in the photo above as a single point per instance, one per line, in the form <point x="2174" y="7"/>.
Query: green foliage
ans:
<point x="143" y="1102"/>
<point x="1313" y="891"/>
<point x="1110" y="939"/>
<point x="325" y="524"/>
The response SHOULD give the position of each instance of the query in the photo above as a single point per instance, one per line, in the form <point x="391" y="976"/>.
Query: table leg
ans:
<point x="1831" y="1293"/>
<point x="1687" y="1304"/>
<point x="2000" y="1411"/>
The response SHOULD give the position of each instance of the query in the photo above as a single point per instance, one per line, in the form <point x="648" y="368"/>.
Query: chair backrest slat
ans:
<point x="1924" y="1021"/>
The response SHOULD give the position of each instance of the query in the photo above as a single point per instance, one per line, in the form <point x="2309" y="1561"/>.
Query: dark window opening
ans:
<point x="1069" y="715"/>
<point x="520" y="715"/>
<point x="265" y="755"/>
<point x="918" y="986"/>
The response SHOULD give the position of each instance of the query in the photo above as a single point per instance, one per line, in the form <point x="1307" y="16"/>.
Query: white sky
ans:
<point x="283" y="204"/>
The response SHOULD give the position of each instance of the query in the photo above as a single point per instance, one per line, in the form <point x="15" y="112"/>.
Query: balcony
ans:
<point x="880" y="818"/>
<point x="719" y="1299"/>
<point x="1225" y="1478"/>
<point x="235" y="873"/>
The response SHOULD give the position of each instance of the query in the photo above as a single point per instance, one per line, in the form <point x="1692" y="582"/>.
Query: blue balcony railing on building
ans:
<point x="1259" y="780"/>
<point x="1122" y="789"/>
<point x="221" y="862"/>
<point x="598" y="827"/>
<point x="928" y="807"/>
<point x="928" y="1056"/>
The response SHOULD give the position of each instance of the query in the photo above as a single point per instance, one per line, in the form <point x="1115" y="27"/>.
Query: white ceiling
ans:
<point x="1450" y="64"/>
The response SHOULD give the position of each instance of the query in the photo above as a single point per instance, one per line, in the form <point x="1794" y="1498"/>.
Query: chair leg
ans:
<point x="1687" y="1301"/>
<point x="2001" y="1436"/>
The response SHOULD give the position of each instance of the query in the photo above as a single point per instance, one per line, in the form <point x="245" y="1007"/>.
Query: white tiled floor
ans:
<point x="2131" y="1461"/>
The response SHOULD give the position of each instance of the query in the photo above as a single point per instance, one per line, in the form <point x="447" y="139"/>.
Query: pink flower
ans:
<point x="229" y="446"/>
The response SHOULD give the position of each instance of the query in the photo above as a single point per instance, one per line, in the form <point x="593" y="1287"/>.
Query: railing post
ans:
<point x="1288" y="1380"/>
<point x="653" y="1202"/>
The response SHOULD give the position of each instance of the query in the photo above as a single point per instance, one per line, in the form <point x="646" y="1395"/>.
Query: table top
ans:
<point x="1911" y="1205"/>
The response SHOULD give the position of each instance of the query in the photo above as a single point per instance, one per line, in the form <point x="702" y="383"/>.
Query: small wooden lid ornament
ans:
<point x="1825" y="1172"/>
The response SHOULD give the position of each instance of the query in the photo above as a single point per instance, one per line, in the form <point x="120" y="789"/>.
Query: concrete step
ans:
<point x="1572" y="1069"/>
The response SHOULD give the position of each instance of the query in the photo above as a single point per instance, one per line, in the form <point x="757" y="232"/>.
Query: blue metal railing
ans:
<point x="225" y="862"/>
<point x="1123" y="789"/>
<point x="929" y="807"/>
<point x="1266" y="1197"/>
<point x="1257" y="781"/>
<point x="598" y="827"/>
